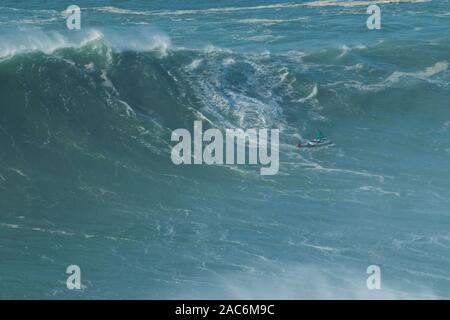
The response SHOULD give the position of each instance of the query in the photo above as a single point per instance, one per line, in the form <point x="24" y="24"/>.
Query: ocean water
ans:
<point x="85" y="171"/>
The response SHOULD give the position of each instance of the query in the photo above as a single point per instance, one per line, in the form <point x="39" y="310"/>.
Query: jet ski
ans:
<point x="314" y="143"/>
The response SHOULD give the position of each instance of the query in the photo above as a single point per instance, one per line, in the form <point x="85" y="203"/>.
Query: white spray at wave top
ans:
<point x="48" y="42"/>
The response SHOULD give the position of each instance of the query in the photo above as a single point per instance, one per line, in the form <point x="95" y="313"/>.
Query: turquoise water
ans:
<point x="86" y="176"/>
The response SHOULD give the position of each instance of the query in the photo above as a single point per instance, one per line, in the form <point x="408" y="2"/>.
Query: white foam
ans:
<point x="313" y="94"/>
<point x="356" y="67"/>
<point x="288" y="281"/>
<point x="19" y="172"/>
<point x="344" y="52"/>
<point x="49" y="42"/>
<point x="333" y="3"/>
<point x="268" y="22"/>
<point x="316" y="166"/>
<point x="128" y="109"/>
<point x="263" y="38"/>
<point x="111" y="9"/>
<point x="423" y="75"/>
<point x="396" y="76"/>
<point x="228" y="61"/>
<point x="265" y="22"/>
<point x="320" y="248"/>
<point x="116" y="10"/>
<point x="140" y="40"/>
<point x="295" y="55"/>
<point x="379" y="190"/>
<point x="194" y="64"/>
<point x="62" y="232"/>
<point x="285" y="5"/>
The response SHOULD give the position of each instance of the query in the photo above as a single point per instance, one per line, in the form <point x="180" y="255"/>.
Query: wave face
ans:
<point x="86" y="176"/>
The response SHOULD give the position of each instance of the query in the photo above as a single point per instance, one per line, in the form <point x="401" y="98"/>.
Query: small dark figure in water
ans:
<point x="319" y="138"/>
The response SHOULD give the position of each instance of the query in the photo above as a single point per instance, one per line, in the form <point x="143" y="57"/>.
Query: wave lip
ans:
<point x="49" y="42"/>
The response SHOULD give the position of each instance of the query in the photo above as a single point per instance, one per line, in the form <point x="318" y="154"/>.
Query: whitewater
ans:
<point x="86" y="176"/>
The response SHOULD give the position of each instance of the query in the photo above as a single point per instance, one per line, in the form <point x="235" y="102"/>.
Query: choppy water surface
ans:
<point x="85" y="170"/>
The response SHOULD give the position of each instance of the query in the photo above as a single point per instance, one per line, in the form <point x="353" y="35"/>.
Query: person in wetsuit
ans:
<point x="319" y="137"/>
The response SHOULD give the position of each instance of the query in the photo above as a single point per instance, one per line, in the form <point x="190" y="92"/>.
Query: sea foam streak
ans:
<point x="286" y="5"/>
<point x="333" y="3"/>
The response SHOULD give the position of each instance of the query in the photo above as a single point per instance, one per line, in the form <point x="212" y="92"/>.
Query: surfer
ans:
<point x="320" y="138"/>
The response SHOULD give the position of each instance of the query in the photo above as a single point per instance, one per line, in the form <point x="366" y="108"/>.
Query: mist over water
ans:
<point x="86" y="176"/>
